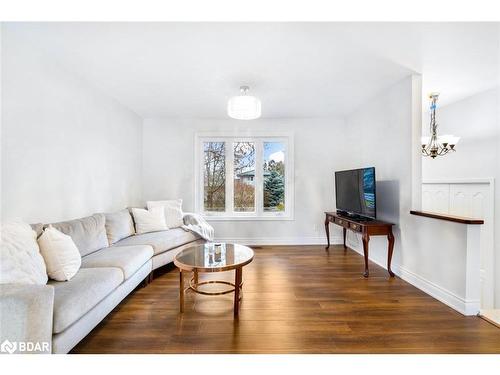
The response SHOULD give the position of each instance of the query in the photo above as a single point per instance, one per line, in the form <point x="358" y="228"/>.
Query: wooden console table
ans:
<point x="367" y="229"/>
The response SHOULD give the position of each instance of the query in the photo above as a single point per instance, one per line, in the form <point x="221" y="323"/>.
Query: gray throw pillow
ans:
<point x="119" y="225"/>
<point x="38" y="228"/>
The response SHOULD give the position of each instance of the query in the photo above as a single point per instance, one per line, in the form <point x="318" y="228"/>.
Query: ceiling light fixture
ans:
<point x="244" y="106"/>
<point x="435" y="145"/>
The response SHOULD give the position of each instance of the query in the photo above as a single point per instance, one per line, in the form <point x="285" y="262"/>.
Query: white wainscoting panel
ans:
<point x="473" y="199"/>
<point x="436" y="197"/>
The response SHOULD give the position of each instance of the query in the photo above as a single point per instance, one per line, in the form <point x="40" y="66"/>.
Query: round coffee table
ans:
<point x="213" y="257"/>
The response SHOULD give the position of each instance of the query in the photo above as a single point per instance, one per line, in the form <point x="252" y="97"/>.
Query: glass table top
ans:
<point x="214" y="256"/>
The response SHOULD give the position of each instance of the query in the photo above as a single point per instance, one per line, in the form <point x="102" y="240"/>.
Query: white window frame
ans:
<point x="259" y="138"/>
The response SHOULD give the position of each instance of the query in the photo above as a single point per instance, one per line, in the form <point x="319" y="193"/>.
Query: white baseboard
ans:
<point x="441" y="294"/>
<point x="274" y="241"/>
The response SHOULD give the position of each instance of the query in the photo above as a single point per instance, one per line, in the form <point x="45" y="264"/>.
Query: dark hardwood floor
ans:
<point x="297" y="299"/>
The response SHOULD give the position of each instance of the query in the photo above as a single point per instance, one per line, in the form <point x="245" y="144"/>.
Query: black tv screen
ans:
<point x="355" y="192"/>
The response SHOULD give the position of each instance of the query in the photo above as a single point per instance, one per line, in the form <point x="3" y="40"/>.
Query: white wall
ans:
<point x="381" y="132"/>
<point x="476" y="121"/>
<point x="430" y="254"/>
<point x="320" y="147"/>
<point x="67" y="150"/>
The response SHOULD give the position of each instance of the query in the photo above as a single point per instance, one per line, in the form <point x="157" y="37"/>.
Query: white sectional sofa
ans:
<point x="63" y="313"/>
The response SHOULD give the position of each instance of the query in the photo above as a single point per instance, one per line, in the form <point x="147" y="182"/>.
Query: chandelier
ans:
<point x="437" y="145"/>
<point x="244" y="106"/>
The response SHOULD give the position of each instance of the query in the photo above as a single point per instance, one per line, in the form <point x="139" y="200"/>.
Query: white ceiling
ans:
<point x="296" y="69"/>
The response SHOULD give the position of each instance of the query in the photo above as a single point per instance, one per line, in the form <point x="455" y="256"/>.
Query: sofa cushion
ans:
<point x="161" y="241"/>
<point x="74" y="298"/>
<point x="119" y="225"/>
<point x="127" y="258"/>
<point x="88" y="233"/>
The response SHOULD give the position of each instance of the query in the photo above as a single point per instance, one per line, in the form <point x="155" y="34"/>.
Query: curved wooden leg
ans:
<point x="390" y="249"/>
<point x="237" y="284"/>
<point x="327" y="230"/>
<point x="366" y="238"/>
<point x="195" y="277"/>
<point x="181" y="291"/>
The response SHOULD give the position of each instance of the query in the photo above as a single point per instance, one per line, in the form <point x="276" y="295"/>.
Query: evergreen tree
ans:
<point x="274" y="189"/>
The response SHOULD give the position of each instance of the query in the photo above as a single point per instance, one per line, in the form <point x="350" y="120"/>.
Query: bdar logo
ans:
<point x="8" y="347"/>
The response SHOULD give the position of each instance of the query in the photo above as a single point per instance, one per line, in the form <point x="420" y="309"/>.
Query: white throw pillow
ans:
<point x="149" y="220"/>
<point x="20" y="259"/>
<point x="62" y="258"/>
<point x="173" y="211"/>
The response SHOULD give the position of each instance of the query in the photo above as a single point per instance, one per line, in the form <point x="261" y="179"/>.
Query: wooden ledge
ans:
<point x="455" y="219"/>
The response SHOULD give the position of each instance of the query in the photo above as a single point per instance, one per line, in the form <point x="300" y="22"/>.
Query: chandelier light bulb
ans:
<point x="453" y="140"/>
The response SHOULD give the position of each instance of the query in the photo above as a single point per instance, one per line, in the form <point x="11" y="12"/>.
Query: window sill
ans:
<point x="248" y="218"/>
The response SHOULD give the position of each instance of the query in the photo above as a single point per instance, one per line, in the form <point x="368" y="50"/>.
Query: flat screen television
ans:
<point x="355" y="193"/>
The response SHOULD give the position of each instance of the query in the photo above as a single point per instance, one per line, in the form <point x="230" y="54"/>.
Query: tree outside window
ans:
<point x="214" y="176"/>
<point x="274" y="176"/>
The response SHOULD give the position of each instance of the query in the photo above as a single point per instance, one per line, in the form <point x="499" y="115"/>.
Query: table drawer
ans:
<point x="355" y="227"/>
<point x="341" y="222"/>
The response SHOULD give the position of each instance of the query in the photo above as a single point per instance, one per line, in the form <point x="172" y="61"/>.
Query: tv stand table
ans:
<point x="366" y="228"/>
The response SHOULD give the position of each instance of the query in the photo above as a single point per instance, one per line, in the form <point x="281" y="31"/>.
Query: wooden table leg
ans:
<point x="390" y="249"/>
<point x="195" y="277"/>
<point x="181" y="291"/>
<point x="237" y="286"/>
<point x="366" y="238"/>
<point x="344" y="231"/>
<point x="327" y="230"/>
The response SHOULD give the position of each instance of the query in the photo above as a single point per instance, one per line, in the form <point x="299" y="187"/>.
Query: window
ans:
<point x="244" y="171"/>
<point x="214" y="185"/>
<point x="244" y="177"/>
<point x="274" y="176"/>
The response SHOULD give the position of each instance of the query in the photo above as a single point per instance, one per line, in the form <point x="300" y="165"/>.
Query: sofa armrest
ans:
<point x="26" y="314"/>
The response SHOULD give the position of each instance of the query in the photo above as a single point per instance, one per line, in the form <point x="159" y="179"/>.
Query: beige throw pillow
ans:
<point x="173" y="211"/>
<point x="62" y="258"/>
<point x="149" y="220"/>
